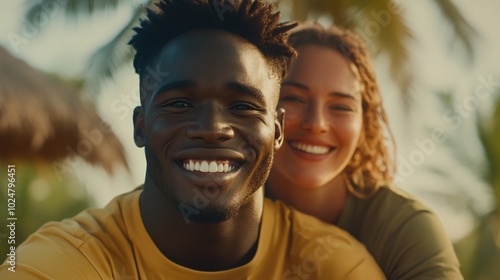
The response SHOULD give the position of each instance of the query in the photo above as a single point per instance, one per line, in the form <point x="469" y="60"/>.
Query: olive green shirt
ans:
<point x="406" y="238"/>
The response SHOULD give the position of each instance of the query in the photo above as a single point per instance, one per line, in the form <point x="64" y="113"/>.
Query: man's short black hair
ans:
<point x="254" y="20"/>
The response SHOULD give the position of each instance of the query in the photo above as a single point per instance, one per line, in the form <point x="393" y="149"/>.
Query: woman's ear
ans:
<point x="279" y="127"/>
<point x="138" y="119"/>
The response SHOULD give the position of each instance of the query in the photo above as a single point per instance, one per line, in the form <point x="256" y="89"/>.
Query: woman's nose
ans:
<point x="315" y="120"/>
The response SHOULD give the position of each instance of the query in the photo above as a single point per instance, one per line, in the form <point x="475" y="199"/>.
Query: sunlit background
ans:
<point x="437" y="66"/>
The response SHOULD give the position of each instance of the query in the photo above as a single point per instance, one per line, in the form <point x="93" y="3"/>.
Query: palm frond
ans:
<point x="463" y="31"/>
<point x="114" y="54"/>
<point x="71" y="8"/>
<point x="479" y="253"/>
<point x="489" y="135"/>
<point x="393" y="40"/>
<point x="384" y="32"/>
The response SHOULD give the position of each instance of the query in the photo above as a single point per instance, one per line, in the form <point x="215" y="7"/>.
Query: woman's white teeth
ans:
<point x="312" y="149"/>
<point x="210" y="166"/>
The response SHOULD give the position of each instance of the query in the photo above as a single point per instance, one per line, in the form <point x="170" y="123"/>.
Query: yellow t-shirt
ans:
<point x="112" y="243"/>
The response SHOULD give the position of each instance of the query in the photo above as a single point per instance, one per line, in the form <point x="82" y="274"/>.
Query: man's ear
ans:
<point x="138" y="119"/>
<point x="279" y="130"/>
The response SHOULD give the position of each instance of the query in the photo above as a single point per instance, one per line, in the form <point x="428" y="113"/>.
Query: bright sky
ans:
<point x="63" y="48"/>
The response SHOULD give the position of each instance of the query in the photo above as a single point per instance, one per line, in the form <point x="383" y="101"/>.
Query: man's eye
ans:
<point x="243" y="106"/>
<point x="178" y="104"/>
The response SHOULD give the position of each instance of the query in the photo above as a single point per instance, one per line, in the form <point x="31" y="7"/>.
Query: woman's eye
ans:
<point x="340" y="108"/>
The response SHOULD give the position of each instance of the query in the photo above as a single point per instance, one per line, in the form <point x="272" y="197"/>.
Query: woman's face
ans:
<point x="321" y="95"/>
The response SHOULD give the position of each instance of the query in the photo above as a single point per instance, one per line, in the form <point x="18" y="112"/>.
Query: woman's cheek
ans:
<point x="292" y="117"/>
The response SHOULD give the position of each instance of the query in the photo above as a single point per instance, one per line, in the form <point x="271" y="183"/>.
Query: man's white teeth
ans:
<point x="312" y="149"/>
<point x="210" y="166"/>
<point x="204" y="166"/>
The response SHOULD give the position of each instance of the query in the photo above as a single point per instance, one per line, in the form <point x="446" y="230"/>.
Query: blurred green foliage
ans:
<point x="39" y="197"/>
<point x="479" y="252"/>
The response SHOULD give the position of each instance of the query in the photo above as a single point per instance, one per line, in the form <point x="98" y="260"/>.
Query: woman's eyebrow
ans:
<point x="334" y="94"/>
<point x="343" y="95"/>
<point x="294" y="84"/>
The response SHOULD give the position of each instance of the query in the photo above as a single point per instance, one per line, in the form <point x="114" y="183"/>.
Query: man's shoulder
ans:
<point x="105" y="224"/>
<point x="84" y="244"/>
<point x="113" y="212"/>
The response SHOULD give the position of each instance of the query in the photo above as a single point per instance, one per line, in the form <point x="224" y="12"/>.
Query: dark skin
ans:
<point x="215" y="102"/>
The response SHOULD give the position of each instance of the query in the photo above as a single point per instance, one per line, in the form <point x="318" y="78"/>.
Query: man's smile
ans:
<point x="209" y="166"/>
<point x="221" y="164"/>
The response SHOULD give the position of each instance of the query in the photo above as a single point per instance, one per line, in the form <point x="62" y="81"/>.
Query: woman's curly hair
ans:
<point x="371" y="165"/>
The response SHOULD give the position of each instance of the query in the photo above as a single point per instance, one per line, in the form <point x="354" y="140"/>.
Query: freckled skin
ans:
<point x="217" y="101"/>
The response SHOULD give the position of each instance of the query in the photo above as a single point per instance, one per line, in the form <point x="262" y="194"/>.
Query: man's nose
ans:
<point x="211" y="125"/>
<point x="315" y="119"/>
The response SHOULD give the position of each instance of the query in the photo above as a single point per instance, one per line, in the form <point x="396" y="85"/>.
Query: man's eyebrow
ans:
<point x="246" y="89"/>
<point x="181" y="84"/>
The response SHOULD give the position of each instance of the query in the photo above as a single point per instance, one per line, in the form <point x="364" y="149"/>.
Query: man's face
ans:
<point x="209" y="126"/>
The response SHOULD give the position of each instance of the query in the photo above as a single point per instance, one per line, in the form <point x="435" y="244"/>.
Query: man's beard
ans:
<point x="217" y="214"/>
<point x="210" y="213"/>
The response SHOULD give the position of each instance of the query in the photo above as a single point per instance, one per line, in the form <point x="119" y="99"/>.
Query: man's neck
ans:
<point x="201" y="246"/>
